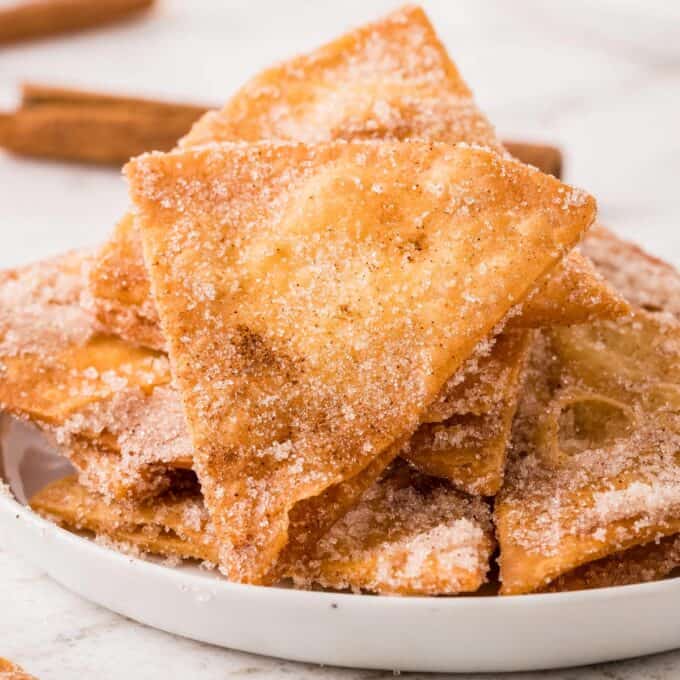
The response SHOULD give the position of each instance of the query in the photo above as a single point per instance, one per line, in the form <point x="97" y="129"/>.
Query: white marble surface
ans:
<point x="601" y="78"/>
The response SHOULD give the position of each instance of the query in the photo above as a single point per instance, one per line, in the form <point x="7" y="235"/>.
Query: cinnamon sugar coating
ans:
<point x="390" y="79"/>
<point x="408" y="535"/>
<point x="597" y="449"/>
<point x="317" y="298"/>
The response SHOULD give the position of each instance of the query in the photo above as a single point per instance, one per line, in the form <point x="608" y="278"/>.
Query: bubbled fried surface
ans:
<point x="577" y="489"/>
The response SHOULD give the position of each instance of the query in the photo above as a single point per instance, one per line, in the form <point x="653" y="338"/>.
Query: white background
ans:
<point x="600" y="78"/>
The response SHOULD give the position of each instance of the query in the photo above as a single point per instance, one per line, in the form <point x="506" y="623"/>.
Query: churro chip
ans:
<point x="120" y="288"/>
<point x="317" y="298"/>
<point x="644" y="280"/>
<point x="390" y="80"/>
<point x="489" y="377"/>
<point x="175" y="524"/>
<point x="467" y="429"/>
<point x="97" y="395"/>
<point x="408" y="534"/>
<point x="467" y="438"/>
<point x="55" y="358"/>
<point x="596" y="466"/>
<point x="574" y="293"/>
<point x="10" y="671"/>
<point x="643" y="563"/>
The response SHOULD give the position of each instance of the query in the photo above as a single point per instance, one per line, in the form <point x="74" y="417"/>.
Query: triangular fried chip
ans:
<point x="317" y="298"/>
<point x="99" y="397"/>
<point x="650" y="562"/>
<point x="574" y="293"/>
<point x="120" y="288"/>
<point x="644" y="280"/>
<point x="175" y="524"/>
<point x="597" y="463"/>
<point x="467" y="436"/>
<point x="409" y="535"/>
<point x="391" y="79"/>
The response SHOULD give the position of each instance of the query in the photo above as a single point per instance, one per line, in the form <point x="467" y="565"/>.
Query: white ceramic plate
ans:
<point x="464" y="634"/>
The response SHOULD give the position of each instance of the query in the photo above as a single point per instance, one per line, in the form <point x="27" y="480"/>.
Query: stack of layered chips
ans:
<point x="343" y="339"/>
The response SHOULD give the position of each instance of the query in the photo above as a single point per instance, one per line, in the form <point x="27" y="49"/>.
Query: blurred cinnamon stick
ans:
<point x="41" y="18"/>
<point x="75" y="125"/>
<point x="546" y="158"/>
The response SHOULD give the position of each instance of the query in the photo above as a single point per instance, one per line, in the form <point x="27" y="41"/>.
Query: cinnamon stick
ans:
<point x="546" y="158"/>
<point x="38" y="94"/>
<point x="43" y="18"/>
<point x="75" y="125"/>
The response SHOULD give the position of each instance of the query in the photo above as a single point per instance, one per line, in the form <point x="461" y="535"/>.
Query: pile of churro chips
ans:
<point x="343" y="339"/>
